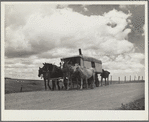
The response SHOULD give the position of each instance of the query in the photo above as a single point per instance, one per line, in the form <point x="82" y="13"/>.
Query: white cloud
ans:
<point x="127" y="63"/>
<point x="67" y="28"/>
<point x="17" y="14"/>
<point x="49" y="33"/>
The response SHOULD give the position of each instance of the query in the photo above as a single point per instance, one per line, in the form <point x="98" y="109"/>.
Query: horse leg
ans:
<point x="53" y="85"/>
<point x="92" y="84"/>
<point x="64" y="82"/>
<point x="81" y="84"/>
<point x="62" y="85"/>
<point x="77" y="83"/>
<point x="101" y="81"/>
<point x="68" y="84"/>
<point x="48" y="84"/>
<point x="71" y="83"/>
<point x="97" y="83"/>
<point x="45" y="84"/>
<point x="96" y="80"/>
<point x="86" y="83"/>
<point x="58" y="85"/>
<point x="93" y="80"/>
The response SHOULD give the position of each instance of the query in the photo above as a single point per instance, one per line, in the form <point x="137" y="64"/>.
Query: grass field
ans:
<point x="18" y="85"/>
<point x="14" y="85"/>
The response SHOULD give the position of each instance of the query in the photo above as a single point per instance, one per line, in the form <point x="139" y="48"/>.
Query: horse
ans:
<point x="69" y="75"/>
<point x="50" y="71"/>
<point x="57" y="73"/>
<point x="45" y="76"/>
<point x="104" y="74"/>
<point x="68" y="71"/>
<point x="85" y="74"/>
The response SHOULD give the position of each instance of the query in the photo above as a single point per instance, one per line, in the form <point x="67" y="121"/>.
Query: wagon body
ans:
<point x="85" y="61"/>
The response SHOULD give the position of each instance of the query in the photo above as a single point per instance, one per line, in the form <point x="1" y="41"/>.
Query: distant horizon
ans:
<point x="127" y="79"/>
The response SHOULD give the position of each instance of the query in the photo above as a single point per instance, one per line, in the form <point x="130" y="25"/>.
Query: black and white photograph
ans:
<point x="74" y="60"/>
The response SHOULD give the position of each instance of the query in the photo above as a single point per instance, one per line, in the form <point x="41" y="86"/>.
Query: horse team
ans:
<point x="70" y="75"/>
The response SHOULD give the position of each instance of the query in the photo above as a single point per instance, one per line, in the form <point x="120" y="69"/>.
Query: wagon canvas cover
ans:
<point x="86" y="61"/>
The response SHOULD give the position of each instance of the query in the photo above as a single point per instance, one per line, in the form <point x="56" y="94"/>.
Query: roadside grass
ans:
<point x="136" y="105"/>
<point x="22" y="85"/>
<point x="18" y="85"/>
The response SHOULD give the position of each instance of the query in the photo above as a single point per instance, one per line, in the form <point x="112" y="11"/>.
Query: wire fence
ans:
<point x="125" y="79"/>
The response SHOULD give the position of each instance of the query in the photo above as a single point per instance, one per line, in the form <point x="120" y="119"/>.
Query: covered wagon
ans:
<point x="87" y="62"/>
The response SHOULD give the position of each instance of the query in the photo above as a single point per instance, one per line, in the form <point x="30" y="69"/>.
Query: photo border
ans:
<point x="81" y="115"/>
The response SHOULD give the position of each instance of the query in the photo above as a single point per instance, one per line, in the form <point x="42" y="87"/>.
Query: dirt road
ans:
<point x="100" y="98"/>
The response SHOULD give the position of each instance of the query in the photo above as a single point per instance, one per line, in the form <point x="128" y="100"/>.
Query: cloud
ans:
<point x="64" y="28"/>
<point x="17" y="14"/>
<point x="126" y="63"/>
<point x="113" y="46"/>
<point x="44" y="33"/>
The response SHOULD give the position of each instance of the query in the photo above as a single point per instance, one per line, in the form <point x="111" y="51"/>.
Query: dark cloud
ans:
<point x="11" y="53"/>
<point x="138" y="18"/>
<point x="47" y="55"/>
<point x="93" y="9"/>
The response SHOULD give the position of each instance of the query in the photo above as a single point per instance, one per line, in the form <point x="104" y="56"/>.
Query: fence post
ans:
<point x="130" y="77"/>
<point x="142" y="77"/>
<point x="21" y="89"/>
<point x="119" y="79"/>
<point x="108" y="80"/>
<point x="111" y="79"/>
<point x="125" y="78"/>
<point x="134" y="78"/>
<point x="138" y="77"/>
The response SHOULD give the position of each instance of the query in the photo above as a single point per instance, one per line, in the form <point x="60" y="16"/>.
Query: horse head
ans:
<point x="40" y="71"/>
<point x="108" y="72"/>
<point x="65" y="64"/>
<point x="76" y="67"/>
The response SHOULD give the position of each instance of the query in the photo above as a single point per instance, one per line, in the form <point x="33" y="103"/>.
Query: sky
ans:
<point x="38" y="33"/>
